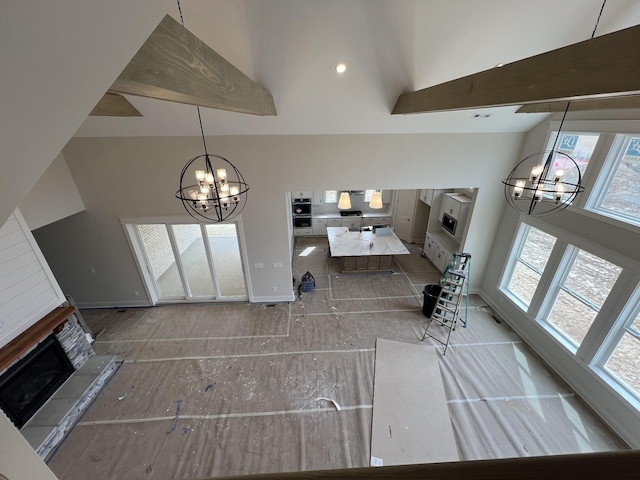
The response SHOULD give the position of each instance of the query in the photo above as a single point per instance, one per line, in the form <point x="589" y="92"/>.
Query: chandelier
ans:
<point x="543" y="183"/>
<point x="212" y="189"/>
<point x="546" y="182"/>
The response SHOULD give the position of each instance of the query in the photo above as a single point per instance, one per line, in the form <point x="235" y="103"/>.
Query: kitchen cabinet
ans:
<point x="302" y="194"/>
<point x="455" y="205"/>
<point x="426" y="195"/>
<point x="299" y="232"/>
<point x="334" y="222"/>
<point x="429" y="247"/>
<point x="350" y="222"/>
<point x="318" y="198"/>
<point x="371" y="221"/>
<point x="441" y="258"/>
<point x="320" y="226"/>
<point x="439" y="250"/>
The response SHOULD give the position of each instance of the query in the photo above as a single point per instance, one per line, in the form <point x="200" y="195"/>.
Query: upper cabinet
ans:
<point x="455" y="205"/>
<point x="426" y="195"/>
<point x="302" y="194"/>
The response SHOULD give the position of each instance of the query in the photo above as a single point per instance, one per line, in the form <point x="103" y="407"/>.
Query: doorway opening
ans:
<point x="190" y="262"/>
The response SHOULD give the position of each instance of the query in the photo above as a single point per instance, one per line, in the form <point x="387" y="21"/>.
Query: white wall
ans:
<point x="18" y="461"/>
<point x="620" y="415"/>
<point x="51" y="81"/>
<point x="138" y="176"/>
<point x="54" y="197"/>
<point x="28" y="290"/>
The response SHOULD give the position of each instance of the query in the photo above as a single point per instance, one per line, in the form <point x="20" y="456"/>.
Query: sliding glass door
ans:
<point x="191" y="262"/>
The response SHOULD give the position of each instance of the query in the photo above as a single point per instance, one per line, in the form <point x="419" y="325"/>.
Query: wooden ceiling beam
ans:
<point x="605" y="66"/>
<point x="614" y="103"/>
<point x="175" y="65"/>
<point x="114" y="105"/>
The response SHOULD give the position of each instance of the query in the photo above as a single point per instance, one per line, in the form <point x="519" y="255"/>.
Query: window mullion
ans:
<point x="596" y="163"/>
<point x="608" y="326"/>
<point x="549" y="281"/>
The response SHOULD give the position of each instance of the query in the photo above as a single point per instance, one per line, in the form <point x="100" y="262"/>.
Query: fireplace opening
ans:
<point x="28" y="384"/>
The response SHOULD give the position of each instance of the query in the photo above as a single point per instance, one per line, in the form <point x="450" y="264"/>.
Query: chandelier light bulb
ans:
<point x="209" y="178"/>
<point x="539" y="193"/>
<point x="519" y="188"/>
<point x="559" y="174"/>
<point x="204" y="189"/>
<point x="222" y="175"/>
<point x="560" y="191"/>
<point x="536" y="172"/>
<point x="200" y="175"/>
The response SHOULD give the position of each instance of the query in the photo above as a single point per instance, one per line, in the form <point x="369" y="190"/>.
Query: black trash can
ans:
<point x="431" y="293"/>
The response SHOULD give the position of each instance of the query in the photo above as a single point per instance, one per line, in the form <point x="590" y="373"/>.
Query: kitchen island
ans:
<point x="364" y="251"/>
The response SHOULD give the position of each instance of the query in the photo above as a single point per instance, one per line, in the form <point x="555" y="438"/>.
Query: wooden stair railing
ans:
<point x="588" y="466"/>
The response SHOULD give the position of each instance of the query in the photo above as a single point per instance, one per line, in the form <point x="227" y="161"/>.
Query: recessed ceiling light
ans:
<point x="341" y="68"/>
<point x="500" y="65"/>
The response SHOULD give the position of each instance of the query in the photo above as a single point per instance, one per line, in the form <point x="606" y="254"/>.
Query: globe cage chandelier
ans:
<point x="546" y="182"/>
<point x="212" y="189"/>
<point x="548" y="188"/>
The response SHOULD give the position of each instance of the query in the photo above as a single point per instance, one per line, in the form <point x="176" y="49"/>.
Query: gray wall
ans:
<point x="137" y="177"/>
<point x="586" y="232"/>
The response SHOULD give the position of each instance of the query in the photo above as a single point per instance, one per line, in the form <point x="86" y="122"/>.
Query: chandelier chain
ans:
<point x="564" y="115"/>
<point x="204" y="142"/>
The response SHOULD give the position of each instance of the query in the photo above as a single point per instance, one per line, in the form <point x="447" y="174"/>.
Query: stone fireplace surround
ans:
<point x="50" y="424"/>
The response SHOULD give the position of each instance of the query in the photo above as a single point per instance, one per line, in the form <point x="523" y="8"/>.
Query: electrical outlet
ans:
<point x="277" y="265"/>
<point x="274" y="288"/>
<point x="136" y="294"/>
<point x="92" y="270"/>
<point x="258" y="265"/>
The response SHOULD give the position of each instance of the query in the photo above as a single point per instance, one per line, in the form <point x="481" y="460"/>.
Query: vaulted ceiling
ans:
<point x="291" y="48"/>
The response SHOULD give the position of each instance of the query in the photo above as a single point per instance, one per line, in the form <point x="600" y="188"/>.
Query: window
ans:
<point x="618" y="194"/>
<point x="330" y="196"/>
<point x="367" y="195"/>
<point x="624" y="363"/>
<point x="580" y="147"/>
<point x="528" y="262"/>
<point x="620" y="359"/>
<point x="582" y="290"/>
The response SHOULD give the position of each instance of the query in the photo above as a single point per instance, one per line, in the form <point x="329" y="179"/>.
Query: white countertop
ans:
<point x="344" y="243"/>
<point x="445" y="241"/>
<point x="364" y="215"/>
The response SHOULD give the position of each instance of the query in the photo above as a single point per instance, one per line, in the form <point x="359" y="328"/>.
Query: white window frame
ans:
<point x="330" y="199"/>
<point x="602" y="184"/>
<point x="614" y="335"/>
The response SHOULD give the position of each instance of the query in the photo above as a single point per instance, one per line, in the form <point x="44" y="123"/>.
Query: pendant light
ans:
<point x="212" y="189"/>
<point x="345" y="201"/>
<point x="546" y="182"/>
<point x="376" y="200"/>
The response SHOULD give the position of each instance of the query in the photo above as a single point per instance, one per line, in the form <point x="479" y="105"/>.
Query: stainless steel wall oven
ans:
<point x="301" y="211"/>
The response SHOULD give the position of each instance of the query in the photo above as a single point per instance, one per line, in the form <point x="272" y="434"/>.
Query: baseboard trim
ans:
<point x="274" y="299"/>
<point x="82" y="305"/>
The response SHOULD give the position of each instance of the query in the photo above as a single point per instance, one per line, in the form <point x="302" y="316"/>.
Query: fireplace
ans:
<point x="29" y="383"/>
